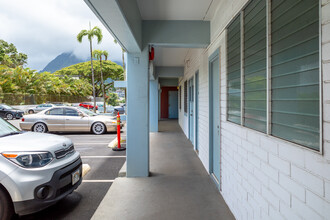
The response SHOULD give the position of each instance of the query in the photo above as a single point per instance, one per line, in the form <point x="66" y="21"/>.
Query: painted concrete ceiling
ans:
<point x="175" y="9"/>
<point x="165" y="56"/>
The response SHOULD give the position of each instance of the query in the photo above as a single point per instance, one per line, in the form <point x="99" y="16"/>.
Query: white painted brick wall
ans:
<point x="317" y="204"/>
<point x="280" y="192"/>
<point x="326" y="66"/>
<point x="293" y="187"/>
<point x="292" y="153"/>
<point x="281" y="165"/>
<point x="263" y="177"/>
<point x="307" y="179"/>
<point x="289" y="213"/>
<point x="269" y="171"/>
<point x="306" y="211"/>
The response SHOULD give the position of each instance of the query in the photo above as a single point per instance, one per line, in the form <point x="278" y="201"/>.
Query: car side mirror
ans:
<point x="81" y="114"/>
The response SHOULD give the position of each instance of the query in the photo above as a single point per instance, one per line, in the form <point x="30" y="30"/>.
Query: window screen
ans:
<point x="185" y="97"/>
<point x="234" y="71"/>
<point x="295" y="71"/>
<point x="255" y="103"/>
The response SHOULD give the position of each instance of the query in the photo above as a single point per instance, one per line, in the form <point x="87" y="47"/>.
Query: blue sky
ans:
<point x="43" y="29"/>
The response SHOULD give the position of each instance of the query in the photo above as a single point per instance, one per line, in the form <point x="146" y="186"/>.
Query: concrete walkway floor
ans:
<point x="179" y="187"/>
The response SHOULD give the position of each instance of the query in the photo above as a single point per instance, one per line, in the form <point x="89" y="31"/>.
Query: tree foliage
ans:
<point x="9" y="55"/>
<point x="97" y="54"/>
<point x="111" y="71"/>
<point x="24" y="80"/>
<point x="113" y="99"/>
<point x="91" y="33"/>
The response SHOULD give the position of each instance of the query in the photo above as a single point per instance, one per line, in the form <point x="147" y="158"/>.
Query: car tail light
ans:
<point x="23" y="119"/>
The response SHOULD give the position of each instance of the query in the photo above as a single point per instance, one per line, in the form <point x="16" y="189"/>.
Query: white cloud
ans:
<point x="44" y="29"/>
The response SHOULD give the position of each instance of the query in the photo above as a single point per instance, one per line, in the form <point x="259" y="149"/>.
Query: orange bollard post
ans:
<point x="119" y="147"/>
<point x="118" y="130"/>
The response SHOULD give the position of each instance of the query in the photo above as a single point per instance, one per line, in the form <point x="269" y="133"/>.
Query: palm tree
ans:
<point x="123" y="58"/>
<point x="97" y="54"/>
<point x="96" y="31"/>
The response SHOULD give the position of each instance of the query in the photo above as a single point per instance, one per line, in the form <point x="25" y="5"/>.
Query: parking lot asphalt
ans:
<point x="105" y="165"/>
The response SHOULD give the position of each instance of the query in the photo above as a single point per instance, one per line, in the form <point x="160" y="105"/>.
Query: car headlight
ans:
<point x="29" y="159"/>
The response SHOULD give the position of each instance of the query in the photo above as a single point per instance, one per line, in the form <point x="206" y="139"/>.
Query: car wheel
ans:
<point x="98" y="128"/>
<point x="6" y="206"/>
<point x="30" y="111"/>
<point x="40" y="127"/>
<point x="10" y="116"/>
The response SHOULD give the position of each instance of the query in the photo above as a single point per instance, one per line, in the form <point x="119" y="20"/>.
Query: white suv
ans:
<point x="36" y="170"/>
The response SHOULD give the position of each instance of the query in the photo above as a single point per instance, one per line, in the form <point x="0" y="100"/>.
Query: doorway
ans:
<point x="214" y="113"/>
<point x="191" y="109"/>
<point x="172" y="104"/>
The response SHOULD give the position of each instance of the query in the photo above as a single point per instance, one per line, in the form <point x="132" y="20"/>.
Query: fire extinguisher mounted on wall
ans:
<point x="151" y="53"/>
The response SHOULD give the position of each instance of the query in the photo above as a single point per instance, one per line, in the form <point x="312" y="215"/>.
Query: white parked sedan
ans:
<point x="39" y="108"/>
<point x="68" y="119"/>
<point x="36" y="170"/>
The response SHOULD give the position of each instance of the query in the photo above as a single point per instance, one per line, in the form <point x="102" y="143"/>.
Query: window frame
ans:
<point x="268" y="77"/>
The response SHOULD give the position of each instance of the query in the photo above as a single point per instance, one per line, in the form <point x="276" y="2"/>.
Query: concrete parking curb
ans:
<point x="85" y="169"/>
<point x="114" y="142"/>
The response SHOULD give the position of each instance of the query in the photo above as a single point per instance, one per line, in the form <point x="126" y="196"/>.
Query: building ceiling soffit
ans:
<point x="124" y="23"/>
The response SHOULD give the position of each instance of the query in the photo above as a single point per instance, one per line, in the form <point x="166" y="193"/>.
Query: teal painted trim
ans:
<point x="190" y="128"/>
<point x="153" y="116"/>
<point x="213" y="56"/>
<point x="169" y="72"/>
<point x="137" y="140"/>
<point x="168" y="82"/>
<point x="187" y="34"/>
<point x="197" y="110"/>
<point x="122" y="20"/>
<point x="132" y="15"/>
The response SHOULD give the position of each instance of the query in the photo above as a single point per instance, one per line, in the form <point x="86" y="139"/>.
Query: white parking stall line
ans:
<point x="98" y="181"/>
<point x="86" y="157"/>
<point x="91" y="143"/>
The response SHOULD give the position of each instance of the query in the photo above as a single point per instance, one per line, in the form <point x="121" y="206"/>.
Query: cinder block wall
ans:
<point x="263" y="177"/>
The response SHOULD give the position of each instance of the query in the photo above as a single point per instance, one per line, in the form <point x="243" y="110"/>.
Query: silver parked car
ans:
<point x="39" y="108"/>
<point x="68" y="119"/>
<point x="36" y="170"/>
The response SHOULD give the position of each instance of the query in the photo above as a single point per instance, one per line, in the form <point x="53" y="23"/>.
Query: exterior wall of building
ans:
<point x="262" y="176"/>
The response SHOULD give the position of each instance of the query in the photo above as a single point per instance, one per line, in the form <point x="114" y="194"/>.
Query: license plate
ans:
<point x="75" y="176"/>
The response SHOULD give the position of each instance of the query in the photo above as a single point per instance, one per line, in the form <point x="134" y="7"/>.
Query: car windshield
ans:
<point x="6" y="106"/>
<point x="87" y="112"/>
<point x="7" y="129"/>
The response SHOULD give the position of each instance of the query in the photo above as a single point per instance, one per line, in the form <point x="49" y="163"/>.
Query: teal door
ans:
<point x="215" y="117"/>
<point x="191" y="110"/>
<point x="173" y="104"/>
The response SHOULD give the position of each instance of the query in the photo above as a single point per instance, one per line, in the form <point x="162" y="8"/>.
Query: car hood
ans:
<point x="15" y="110"/>
<point x="103" y="118"/>
<point x="31" y="141"/>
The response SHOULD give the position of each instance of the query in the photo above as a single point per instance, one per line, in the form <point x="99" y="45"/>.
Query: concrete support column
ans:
<point x="137" y="114"/>
<point x="153" y="105"/>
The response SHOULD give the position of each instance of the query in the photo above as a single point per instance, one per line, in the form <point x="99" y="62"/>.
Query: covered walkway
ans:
<point x="179" y="186"/>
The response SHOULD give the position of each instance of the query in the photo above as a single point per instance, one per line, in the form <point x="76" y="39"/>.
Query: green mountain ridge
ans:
<point x="64" y="60"/>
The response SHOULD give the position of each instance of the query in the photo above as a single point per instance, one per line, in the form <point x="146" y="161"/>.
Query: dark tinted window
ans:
<point x="71" y="112"/>
<point x="55" y="111"/>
